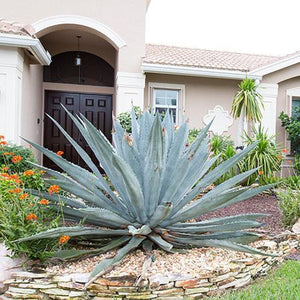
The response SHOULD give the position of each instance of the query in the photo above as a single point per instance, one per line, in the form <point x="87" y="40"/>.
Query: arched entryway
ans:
<point x="88" y="88"/>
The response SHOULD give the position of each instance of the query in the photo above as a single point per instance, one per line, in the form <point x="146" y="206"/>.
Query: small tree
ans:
<point x="247" y="104"/>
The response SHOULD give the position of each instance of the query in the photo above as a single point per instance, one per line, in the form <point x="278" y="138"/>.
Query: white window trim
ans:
<point x="169" y="86"/>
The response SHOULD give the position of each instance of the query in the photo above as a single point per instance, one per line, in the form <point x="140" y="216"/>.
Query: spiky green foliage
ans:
<point x="249" y="100"/>
<point x="156" y="176"/>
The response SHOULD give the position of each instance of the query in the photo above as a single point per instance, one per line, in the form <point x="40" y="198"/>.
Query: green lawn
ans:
<point x="281" y="284"/>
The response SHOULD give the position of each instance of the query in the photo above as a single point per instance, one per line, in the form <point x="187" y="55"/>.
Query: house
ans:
<point x="91" y="56"/>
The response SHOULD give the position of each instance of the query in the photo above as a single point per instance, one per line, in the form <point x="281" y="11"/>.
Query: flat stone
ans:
<point x="170" y="298"/>
<point x="164" y="286"/>
<point x="223" y="277"/>
<point x="26" y="275"/>
<point x="225" y="281"/>
<point x="70" y="285"/>
<point x="191" y="283"/>
<point x="135" y="294"/>
<point x="170" y="292"/>
<point x="106" y="298"/>
<point x="124" y="289"/>
<point x="23" y="296"/>
<point x="158" y="279"/>
<point x="21" y="291"/>
<point x="117" y="281"/>
<point x="194" y="297"/>
<point x="180" y="277"/>
<point x="56" y="291"/>
<point x="243" y="281"/>
<point x="197" y="290"/>
<point x="37" y="285"/>
<point x="75" y="277"/>
<point x="76" y="294"/>
<point x="150" y="296"/>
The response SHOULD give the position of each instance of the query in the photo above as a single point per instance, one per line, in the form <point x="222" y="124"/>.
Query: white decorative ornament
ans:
<point x="222" y="119"/>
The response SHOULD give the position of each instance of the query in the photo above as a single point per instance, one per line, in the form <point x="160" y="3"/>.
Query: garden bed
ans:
<point x="200" y="272"/>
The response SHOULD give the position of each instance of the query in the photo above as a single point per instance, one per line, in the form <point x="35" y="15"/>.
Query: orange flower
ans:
<point x="16" y="159"/>
<point x="7" y="153"/>
<point x="5" y="168"/>
<point x="5" y="175"/>
<point x="59" y="153"/>
<point x="44" y="202"/>
<point x="42" y="172"/>
<point x="2" y="143"/>
<point x="14" y="177"/>
<point x="284" y="151"/>
<point x="31" y="217"/>
<point x="2" y="137"/>
<point x="16" y="191"/>
<point x="28" y="173"/>
<point x="260" y="172"/>
<point x="63" y="239"/>
<point x="53" y="189"/>
<point x="23" y="196"/>
<point x="279" y="156"/>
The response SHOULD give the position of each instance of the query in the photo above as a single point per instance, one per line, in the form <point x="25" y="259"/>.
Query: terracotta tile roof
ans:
<point x="192" y="57"/>
<point x="16" y="28"/>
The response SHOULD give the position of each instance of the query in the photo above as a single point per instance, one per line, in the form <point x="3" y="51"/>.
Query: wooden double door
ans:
<point x="97" y="108"/>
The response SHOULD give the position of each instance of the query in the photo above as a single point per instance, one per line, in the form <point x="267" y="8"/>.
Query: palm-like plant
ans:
<point x="266" y="156"/>
<point x="247" y="104"/>
<point x="157" y="177"/>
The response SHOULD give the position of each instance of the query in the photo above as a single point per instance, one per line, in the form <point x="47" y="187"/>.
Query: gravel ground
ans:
<point x="264" y="203"/>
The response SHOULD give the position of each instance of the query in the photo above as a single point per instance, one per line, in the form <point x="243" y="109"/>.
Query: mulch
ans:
<point x="263" y="203"/>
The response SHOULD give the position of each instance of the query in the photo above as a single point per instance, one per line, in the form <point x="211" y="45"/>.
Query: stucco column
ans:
<point x="11" y="68"/>
<point x="130" y="91"/>
<point x="269" y="91"/>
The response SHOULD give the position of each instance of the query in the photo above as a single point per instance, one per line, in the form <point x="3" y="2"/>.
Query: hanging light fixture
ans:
<point x="78" y="60"/>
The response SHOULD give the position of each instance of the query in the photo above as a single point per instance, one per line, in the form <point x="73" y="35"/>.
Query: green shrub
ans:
<point x="222" y="146"/>
<point x="193" y="133"/>
<point x="289" y="205"/>
<point x="125" y="118"/>
<point x="292" y="127"/>
<point x="265" y="156"/>
<point x="22" y="214"/>
<point x="7" y="154"/>
<point x="292" y="182"/>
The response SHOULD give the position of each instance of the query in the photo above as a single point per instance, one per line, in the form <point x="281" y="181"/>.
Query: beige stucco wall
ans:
<point x="126" y="18"/>
<point x="286" y="78"/>
<point x="201" y="95"/>
<point x="31" y="104"/>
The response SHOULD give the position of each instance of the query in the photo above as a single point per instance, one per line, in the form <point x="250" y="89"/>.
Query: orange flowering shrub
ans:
<point x="63" y="239"/>
<point x="53" y="189"/>
<point x="28" y="173"/>
<point x="3" y="143"/>
<point x="59" y="153"/>
<point x="260" y="172"/>
<point x="16" y="159"/>
<point x="2" y="137"/>
<point x="44" y="202"/>
<point x="23" y="196"/>
<point x="31" y="217"/>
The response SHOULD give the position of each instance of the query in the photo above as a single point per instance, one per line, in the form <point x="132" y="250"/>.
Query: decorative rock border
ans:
<point x="26" y="285"/>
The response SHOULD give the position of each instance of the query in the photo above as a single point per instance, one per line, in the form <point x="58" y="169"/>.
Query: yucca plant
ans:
<point x="156" y="176"/>
<point x="265" y="156"/>
<point x="247" y="105"/>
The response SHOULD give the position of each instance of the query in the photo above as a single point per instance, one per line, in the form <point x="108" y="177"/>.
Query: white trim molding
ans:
<point x="278" y="65"/>
<point x="112" y="36"/>
<point x="168" y="86"/>
<point x="130" y="91"/>
<point x="269" y="91"/>
<point x="31" y="44"/>
<point x="198" y="72"/>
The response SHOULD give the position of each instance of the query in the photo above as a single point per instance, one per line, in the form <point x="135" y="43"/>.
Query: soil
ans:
<point x="263" y="203"/>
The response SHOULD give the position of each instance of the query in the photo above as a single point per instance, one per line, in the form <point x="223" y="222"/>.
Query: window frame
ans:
<point x="153" y="86"/>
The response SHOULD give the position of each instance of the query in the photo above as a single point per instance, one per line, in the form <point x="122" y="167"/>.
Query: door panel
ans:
<point x="96" y="108"/>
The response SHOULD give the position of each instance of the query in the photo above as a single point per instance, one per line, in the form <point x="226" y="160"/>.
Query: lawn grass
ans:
<point x="281" y="284"/>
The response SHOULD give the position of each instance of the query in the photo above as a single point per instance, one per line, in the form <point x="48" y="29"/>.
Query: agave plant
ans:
<point x="156" y="176"/>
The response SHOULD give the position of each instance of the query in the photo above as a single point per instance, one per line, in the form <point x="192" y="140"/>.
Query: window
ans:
<point x="164" y="99"/>
<point x="295" y="104"/>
